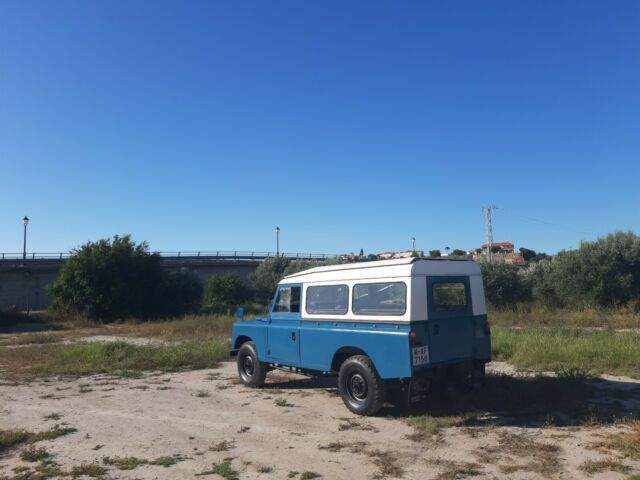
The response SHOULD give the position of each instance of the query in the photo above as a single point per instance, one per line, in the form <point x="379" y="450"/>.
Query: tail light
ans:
<point x="412" y="339"/>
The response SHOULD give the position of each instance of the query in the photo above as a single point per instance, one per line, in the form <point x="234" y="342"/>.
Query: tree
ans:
<point x="600" y="273"/>
<point x="267" y="276"/>
<point x="111" y="279"/>
<point x="458" y="253"/>
<point x="504" y="286"/>
<point x="527" y="254"/>
<point x="224" y="293"/>
<point x="435" y="253"/>
<point x="180" y="292"/>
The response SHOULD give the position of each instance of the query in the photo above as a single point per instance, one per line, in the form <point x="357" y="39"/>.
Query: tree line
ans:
<point x="119" y="278"/>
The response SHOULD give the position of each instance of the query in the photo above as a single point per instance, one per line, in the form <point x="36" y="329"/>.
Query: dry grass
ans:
<point x="456" y="470"/>
<point x="387" y="463"/>
<point x="33" y="454"/>
<point x="592" y="467"/>
<point x="92" y="470"/>
<point x="627" y="442"/>
<point x="187" y="327"/>
<point x="223" y="446"/>
<point x="352" y="447"/>
<point x="520" y="452"/>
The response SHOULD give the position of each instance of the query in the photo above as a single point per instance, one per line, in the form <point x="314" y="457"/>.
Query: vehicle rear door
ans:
<point x="283" y="338"/>
<point x="450" y="314"/>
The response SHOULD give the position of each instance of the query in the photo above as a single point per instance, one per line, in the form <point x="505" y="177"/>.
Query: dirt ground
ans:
<point x="293" y="425"/>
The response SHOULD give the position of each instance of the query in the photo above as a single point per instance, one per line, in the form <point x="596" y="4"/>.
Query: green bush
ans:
<point x="224" y="293"/>
<point x="503" y="284"/>
<point x="267" y="276"/>
<point x="116" y="279"/>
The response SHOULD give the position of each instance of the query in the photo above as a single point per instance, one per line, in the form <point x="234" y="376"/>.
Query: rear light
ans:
<point x="412" y="339"/>
<point x="487" y="329"/>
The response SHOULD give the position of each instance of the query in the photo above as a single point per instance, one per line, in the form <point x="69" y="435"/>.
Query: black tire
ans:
<point x="478" y="376"/>
<point x="361" y="388"/>
<point x="251" y="370"/>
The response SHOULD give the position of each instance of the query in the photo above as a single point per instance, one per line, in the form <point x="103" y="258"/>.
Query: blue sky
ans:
<point x="201" y="125"/>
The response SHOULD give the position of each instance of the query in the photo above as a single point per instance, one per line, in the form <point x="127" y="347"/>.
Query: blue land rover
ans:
<point x="389" y="329"/>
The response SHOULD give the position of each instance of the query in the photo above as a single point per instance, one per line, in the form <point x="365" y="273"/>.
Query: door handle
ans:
<point x="293" y="336"/>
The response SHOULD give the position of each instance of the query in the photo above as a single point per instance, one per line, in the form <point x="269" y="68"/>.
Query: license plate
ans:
<point x="420" y="355"/>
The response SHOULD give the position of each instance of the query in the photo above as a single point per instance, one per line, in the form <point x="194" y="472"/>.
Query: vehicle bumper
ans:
<point x="233" y="352"/>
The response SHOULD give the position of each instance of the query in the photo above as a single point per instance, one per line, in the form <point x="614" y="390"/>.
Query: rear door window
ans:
<point x="448" y="296"/>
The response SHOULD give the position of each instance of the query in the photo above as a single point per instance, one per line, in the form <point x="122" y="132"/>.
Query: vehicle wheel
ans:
<point x="478" y="375"/>
<point x="361" y="388"/>
<point x="251" y="370"/>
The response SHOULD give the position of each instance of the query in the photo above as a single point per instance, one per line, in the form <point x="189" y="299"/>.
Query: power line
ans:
<point x="550" y="224"/>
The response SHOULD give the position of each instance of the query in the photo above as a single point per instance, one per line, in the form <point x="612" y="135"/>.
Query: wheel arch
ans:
<point x="241" y="339"/>
<point x="345" y="352"/>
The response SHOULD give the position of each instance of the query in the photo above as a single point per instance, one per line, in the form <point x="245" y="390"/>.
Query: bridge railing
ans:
<point x="222" y="254"/>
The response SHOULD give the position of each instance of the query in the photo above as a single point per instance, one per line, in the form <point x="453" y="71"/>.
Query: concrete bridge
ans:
<point x="23" y="281"/>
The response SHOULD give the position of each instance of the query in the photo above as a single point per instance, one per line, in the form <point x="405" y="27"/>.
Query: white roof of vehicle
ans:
<point x="401" y="267"/>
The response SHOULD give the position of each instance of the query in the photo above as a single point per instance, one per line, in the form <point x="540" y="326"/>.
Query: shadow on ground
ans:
<point x="518" y="400"/>
<point x="12" y="321"/>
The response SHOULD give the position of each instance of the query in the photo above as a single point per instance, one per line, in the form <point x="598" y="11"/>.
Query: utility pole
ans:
<point x="25" y="221"/>
<point x="488" y="211"/>
<point x="277" y="241"/>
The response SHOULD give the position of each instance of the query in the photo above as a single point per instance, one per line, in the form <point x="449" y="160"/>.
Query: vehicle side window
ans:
<point x="288" y="300"/>
<point x="380" y="298"/>
<point x="328" y="299"/>
<point x="448" y="296"/>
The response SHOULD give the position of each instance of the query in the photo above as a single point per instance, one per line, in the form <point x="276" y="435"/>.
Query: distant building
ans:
<point x="405" y="254"/>
<point x="502" y="252"/>
<point x="499" y="247"/>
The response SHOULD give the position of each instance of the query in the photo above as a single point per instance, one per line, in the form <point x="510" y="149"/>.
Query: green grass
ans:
<point x="549" y="349"/>
<point x="528" y="316"/>
<point x="10" y="438"/>
<point x="223" y="469"/>
<point x="120" y="358"/>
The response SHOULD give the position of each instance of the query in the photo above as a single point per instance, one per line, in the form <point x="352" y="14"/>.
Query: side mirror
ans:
<point x="240" y="313"/>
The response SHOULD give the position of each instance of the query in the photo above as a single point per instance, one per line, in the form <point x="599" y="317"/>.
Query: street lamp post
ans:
<point x="25" y="221"/>
<point x="413" y="244"/>
<point x="277" y="241"/>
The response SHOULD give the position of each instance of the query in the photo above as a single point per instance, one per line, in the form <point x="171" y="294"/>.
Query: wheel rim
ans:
<point x="248" y="366"/>
<point x="357" y="387"/>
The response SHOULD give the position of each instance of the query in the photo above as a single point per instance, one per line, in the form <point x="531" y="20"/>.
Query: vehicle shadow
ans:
<point x="563" y="400"/>
<point x="570" y="399"/>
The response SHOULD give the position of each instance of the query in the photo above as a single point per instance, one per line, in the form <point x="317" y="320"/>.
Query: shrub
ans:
<point x="224" y="292"/>
<point x="180" y="291"/>
<point x="267" y="276"/>
<point x="504" y="286"/>
<point x="111" y="279"/>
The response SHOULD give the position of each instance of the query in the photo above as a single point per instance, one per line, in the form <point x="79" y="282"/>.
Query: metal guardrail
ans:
<point x="226" y="255"/>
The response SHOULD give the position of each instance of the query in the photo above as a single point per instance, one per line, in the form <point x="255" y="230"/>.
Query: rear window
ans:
<point x="288" y="300"/>
<point x="328" y="299"/>
<point x="448" y="296"/>
<point x="380" y="298"/>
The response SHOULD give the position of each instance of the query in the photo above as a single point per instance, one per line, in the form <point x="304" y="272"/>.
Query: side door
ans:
<point x="283" y="338"/>
<point x="451" y="323"/>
